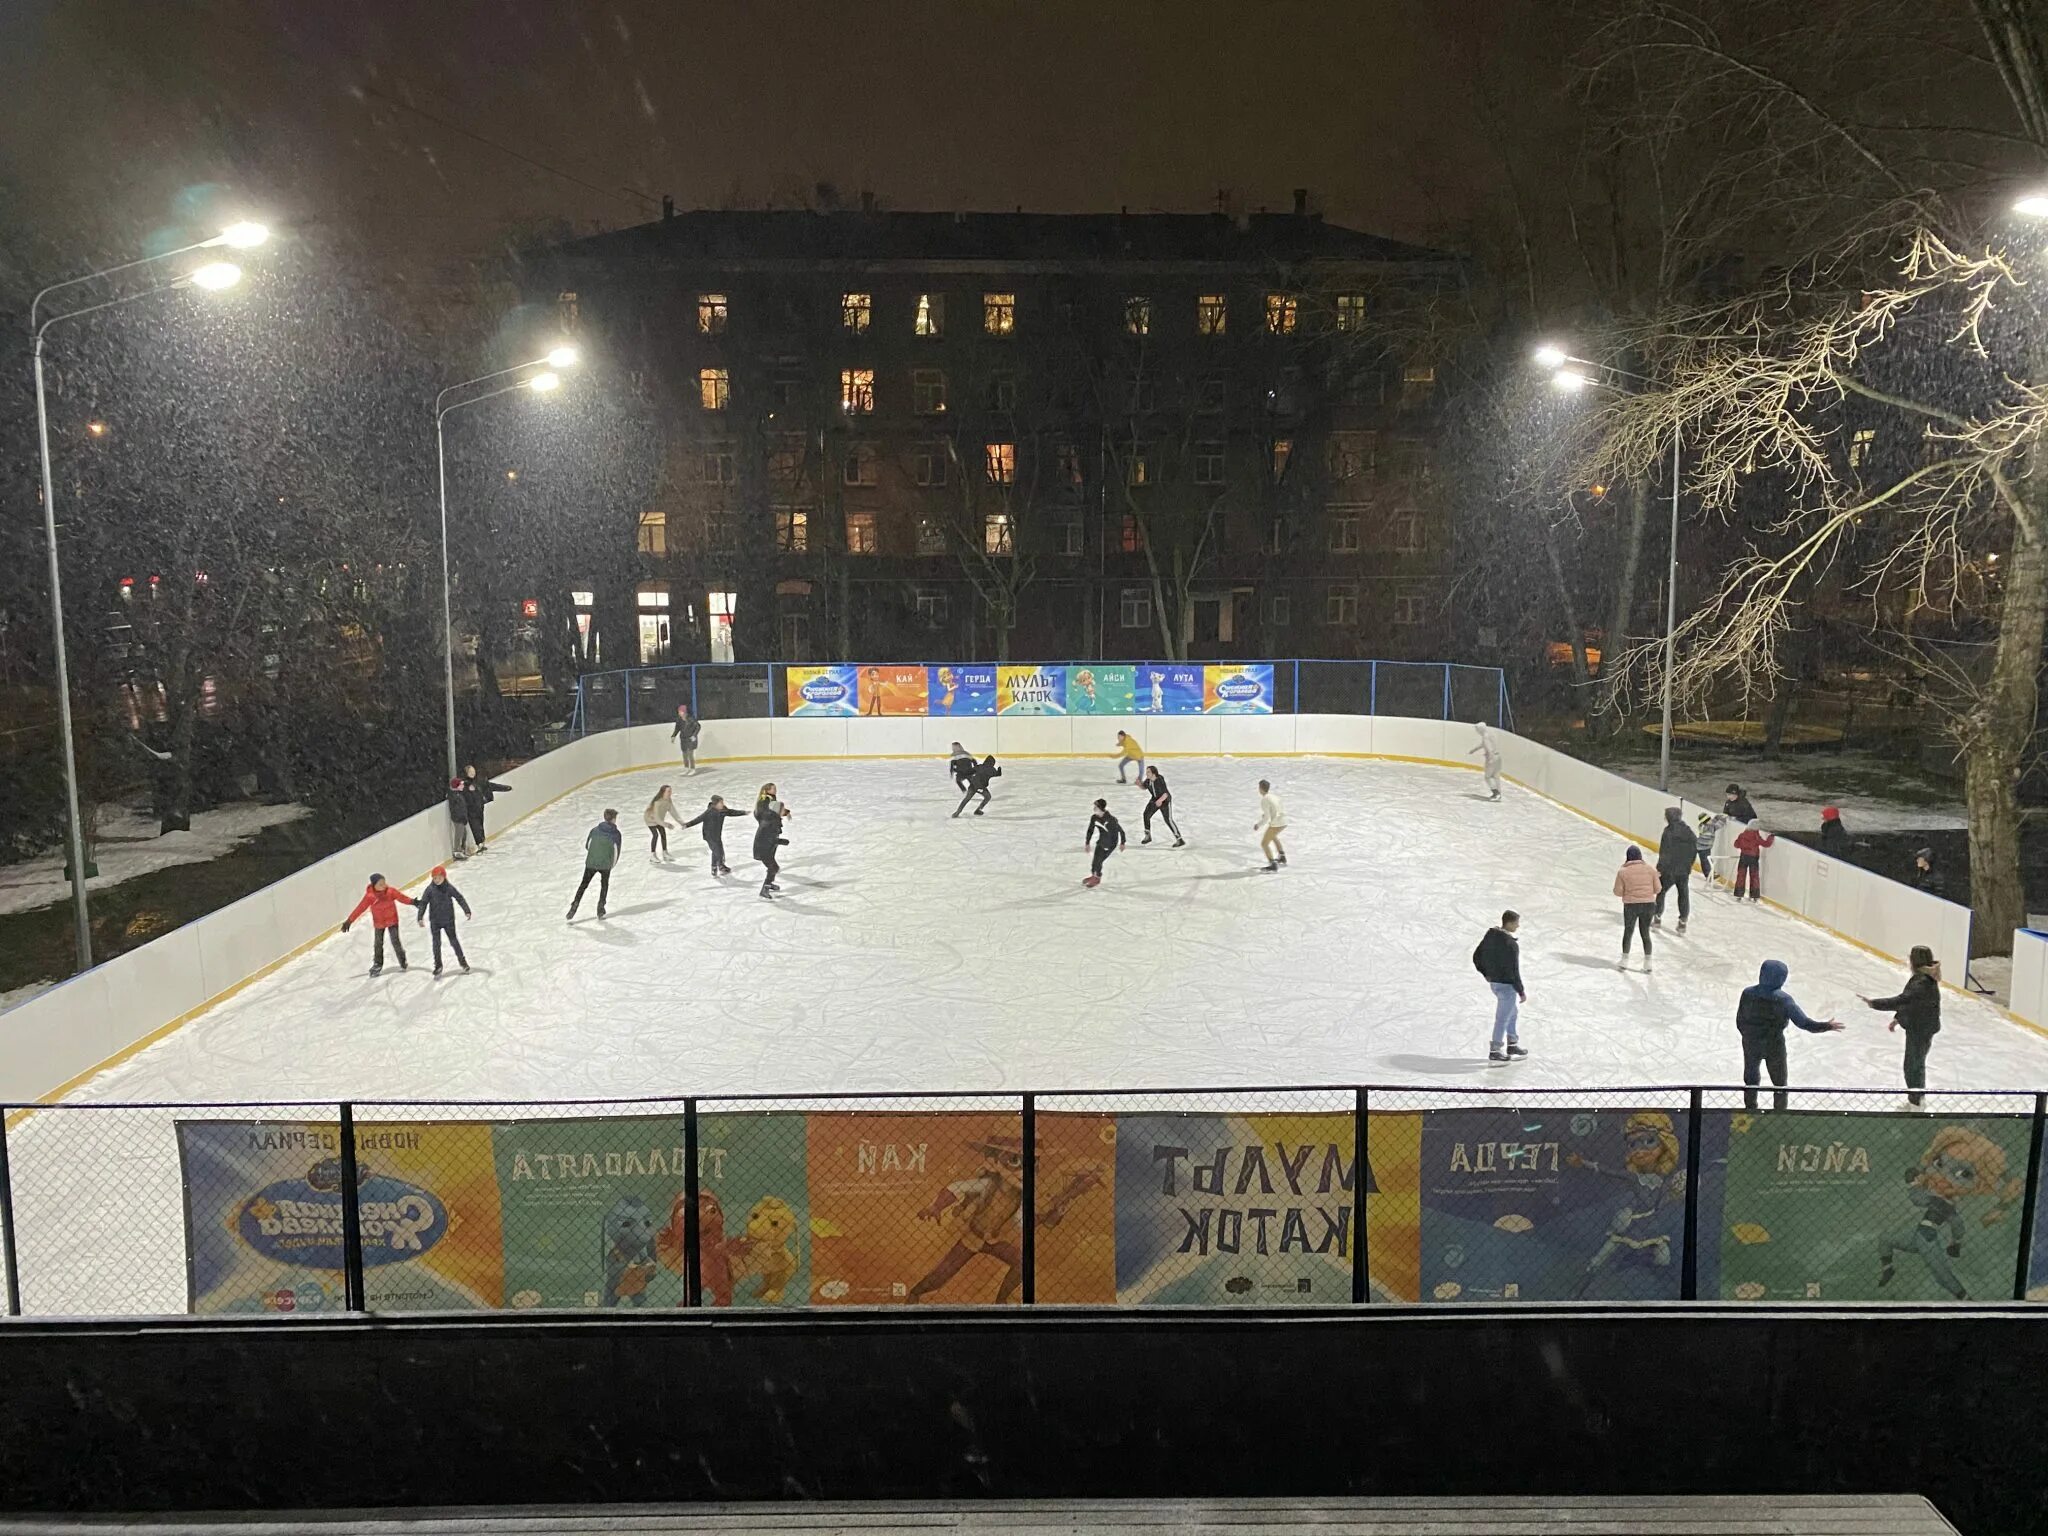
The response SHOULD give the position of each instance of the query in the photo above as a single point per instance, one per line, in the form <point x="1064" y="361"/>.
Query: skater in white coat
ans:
<point x="1274" y="820"/>
<point x="1488" y="753"/>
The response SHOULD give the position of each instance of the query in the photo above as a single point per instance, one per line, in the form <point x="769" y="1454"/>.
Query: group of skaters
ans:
<point x="1765" y="1009"/>
<point x="603" y="843"/>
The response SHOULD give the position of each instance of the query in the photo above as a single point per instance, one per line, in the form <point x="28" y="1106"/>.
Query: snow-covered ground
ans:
<point x="912" y="951"/>
<point x="1784" y="793"/>
<point x="129" y="846"/>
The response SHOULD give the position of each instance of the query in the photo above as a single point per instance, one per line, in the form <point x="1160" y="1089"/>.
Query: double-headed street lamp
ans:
<point x="1573" y="374"/>
<point x="541" y="375"/>
<point x="213" y="276"/>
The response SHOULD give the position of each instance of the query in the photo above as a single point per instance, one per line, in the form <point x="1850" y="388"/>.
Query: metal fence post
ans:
<point x="1372" y="696"/>
<point x="626" y="691"/>
<point x="1689" y="1271"/>
<point x="693" y="1236"/>
<point x="1361" y="1177"/>
<point x="1030" y="1197"/>
<point x="693" y="692"/>
<point x="7" y="1222"/>
<point x="1297" y="685"/>
<point x="768" y="671"/>
<point x="1447" y="690"/>
<point x="2019" y="1283"/>
<point x="351" y="1217"/>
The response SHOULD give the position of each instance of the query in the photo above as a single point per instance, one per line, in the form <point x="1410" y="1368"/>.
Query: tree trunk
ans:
<point x="1582" y="677"/>
<point x="174" y="812"/>
<point x="1997" y="731"/>
<point x="1613" y="703"/>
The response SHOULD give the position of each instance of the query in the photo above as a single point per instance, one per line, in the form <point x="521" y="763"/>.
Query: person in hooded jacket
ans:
<point x="458" y="818"/>
<point x="977" y="784"/>
<point x="1760" y="1018"/>
<point x="1750" y="844"/>
<point x="1916" y="1009"/>
<point x="436" y="905"/>
<point x="713" y="819"/>
<point x="1107" y="834"/>
<point x="961" y="765"/>
<point x="1925" y="876"/>
<point x="1677" y="849"/>
<point x="381" y="900"/>
<point x="479" y="792"/>
<point x="687" y="729"/>
<point x="1735" y="805"/>
<point x="1637" y="885"/>
<point x="1834" y="836"/>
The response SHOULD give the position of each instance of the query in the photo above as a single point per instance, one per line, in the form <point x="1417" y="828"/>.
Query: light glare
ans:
<point x="1570" y="380"/>
<point x="541" y="383"/>
<point x="217" y="275"/>
<point x="1550" y="355"/>
<point x="2033" y="206"/>
<point x="243" y="236"/>
<point x="562" y="357"/>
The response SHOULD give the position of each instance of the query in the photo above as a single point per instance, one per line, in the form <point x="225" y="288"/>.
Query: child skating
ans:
<point x="1128" y="752"/>
<point x="769" y="815"/>
<point x="712" y="820"/>
<point x="436" y="906"/>
<point x="1159" y="802"/>
<point x="1107" y="833"/>
<point x="1750" y="844"/>
<point x="1274" y="821"/>
<point x="381" y="900"/>
<point x="601" y="847"/>
<point x="661" y="810"/>
<point x="1488" y="753"/>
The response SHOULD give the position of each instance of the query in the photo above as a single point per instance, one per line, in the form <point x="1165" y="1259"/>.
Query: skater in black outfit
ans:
<point x="713" y="818"/>
<point x="437" y="904"/>
<point x="477" y="793"/>
<point x="1916" y="1010"/>
<point x="1107" y="833"/>
<point x="977" y="784"/>
<point x="1159" y="803"/>
<point x="769" y="815"/>
<point x="1677" y="851"/>
<point x="1735" y="805"/>
<point x="458" y="819"/>
<point x="961" y="766"/>
<point x="685" y="735"/>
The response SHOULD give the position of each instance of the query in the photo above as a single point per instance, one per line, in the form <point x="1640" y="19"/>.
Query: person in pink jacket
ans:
<point x="1637" y="884"/>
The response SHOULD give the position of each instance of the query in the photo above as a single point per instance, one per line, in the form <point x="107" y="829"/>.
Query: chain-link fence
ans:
<point x="1251" y="1198"/>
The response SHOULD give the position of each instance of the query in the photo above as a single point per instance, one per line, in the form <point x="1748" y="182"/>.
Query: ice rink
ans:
<point x="913" y="951"/>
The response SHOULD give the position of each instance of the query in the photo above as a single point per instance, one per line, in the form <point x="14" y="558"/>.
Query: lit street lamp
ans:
<point x="541" y="383"/>
<point x="214" y="276"/>
<point x="1573" y="374"/>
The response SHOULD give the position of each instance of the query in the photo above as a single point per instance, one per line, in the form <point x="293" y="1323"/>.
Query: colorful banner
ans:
<point x="1168" y="690"/>
<point x="817" y="691"/>
<point x="754" y="1209"/>
<point x="893" y="690"/>
<point x="915" y="1207"/>
<point x="969" y="690"/>
<point x="1542" y="1205"/>
<point x="1101" y="690"/>
<point x="1833" y="1207"/>
<point x="1393" y="1206"/>
<point x="1076" y="1241"/>
<point x="1031" y="690"/>
<point x="1245" y="690"/>
<point x="1212" y="1209"/>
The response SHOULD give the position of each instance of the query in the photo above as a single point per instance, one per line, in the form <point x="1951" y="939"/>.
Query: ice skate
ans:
<point x="1269" y="866"/>
<point x="1515" y="1051"/>
<point x="1621" y="964"/>
<point x="979" y="809"/>
<point x="1646" y="962"/>
<point x="1283" y="858"/>
<point x="1656" y="922"/>
<point x="1091" y="881"/>
<point x="437" y="970"/>
<point x="1180" y="842"/>
<point x="571" y="917"/>
<point x="1681" y="927"/>
<point x="766" y="894"/>
<point x="1497" y="1055"/>
<point x="377" y="969"/>
<point x="600" y="912"/>
<point x="463" y="963"/>
<point x="1146" y="838"/>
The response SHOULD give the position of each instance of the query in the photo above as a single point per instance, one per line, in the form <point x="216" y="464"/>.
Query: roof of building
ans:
<point x="747" y="235"/>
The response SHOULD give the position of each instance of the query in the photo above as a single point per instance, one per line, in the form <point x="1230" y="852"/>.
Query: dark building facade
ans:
<point x="929" y="436"/>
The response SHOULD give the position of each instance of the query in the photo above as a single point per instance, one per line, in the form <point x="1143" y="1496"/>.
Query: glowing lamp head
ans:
<point x="563" y="357"/>
<point x="1570" y="380"/>
<point x="1550" y="355"/>
<point x="243" y="237"/>
<point x="217" y="275"/>
<point x="543" y="383"/>
<point x="96" y="428"/>
<point x="2033" y="206"/>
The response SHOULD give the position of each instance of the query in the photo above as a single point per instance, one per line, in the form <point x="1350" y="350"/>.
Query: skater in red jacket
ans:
<point x="381" y="900"/>
<point x="1750" y="844"/>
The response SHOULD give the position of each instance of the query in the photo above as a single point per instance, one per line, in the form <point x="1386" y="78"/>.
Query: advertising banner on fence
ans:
<point x="1076" y="1206"/>
<point x="1031" y="690"/>
<point x="915" y="1207"/>
<point x="1543" y="1205"/>
<point x="1393" y="1206"/>
<point x="541" y="1213"/>
<point x="754" y="1209"/>
<point x="1101" y="690"/>
<point x="968" y="690"/>
<point x="1826" y="1207"/>
<point x="894" y="690"/>
<point x="1213" y="1209"/>
<point x="823" y="691"/>
<point x="1163" y="689"/>
<point x="1245" y="690"/>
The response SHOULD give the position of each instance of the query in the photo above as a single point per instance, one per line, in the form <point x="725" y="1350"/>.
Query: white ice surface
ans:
<point x="912" y="951"/>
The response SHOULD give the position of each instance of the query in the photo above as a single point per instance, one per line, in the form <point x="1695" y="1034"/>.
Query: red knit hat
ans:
<point x="439" y="870"/>
<point x="1829" y="813"/>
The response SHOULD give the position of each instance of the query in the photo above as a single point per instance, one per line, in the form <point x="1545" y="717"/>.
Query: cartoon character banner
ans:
<point x="893" y="690"/>
<point x="1552" y="1205"/>
<point x="1031" y="690"/>
<point x="1393" y="1205"/>
<point x="1838" y="1207"/>
<point x="969" y="690"/>
<point x="1076" y="1252"/>
<point x="817" y="691"/>
<point x="1221" y="1208"/>
<point x="1245" y="690"/>
<point x="915" y="1207"/>
<point x="1101" y="690"/>
<point x="1168" y="690"/>
<point x="753" y="1209"/>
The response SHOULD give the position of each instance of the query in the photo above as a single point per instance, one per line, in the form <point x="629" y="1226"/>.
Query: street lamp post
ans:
<point x="1564" y="373"/>
<point x="540" y="383"/>
<point x="213" y="277"/>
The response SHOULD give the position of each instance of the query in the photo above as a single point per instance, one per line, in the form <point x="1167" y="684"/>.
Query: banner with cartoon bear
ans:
<point x="1811" y="1206"/>
<point x="1547" y="1204"/>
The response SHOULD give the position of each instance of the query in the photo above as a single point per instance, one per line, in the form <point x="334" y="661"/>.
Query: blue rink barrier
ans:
<point x="1428" y="690"/>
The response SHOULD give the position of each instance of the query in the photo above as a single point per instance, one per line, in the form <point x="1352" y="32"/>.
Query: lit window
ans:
<point x="1131" y="538"/>
<point x="1002" y="393"/>
<point x="1350" y="311"/>
<point x="792" y="529"/>
<point x="999" y="313"/>
<point x="931" y="537"/>
<point x="1419" y="373"/>
<point x="928" y="463"/>
<point x="1138" y="468"/>
<point x="654" y="533"/>
<point x="1001" y="459"/>
<point x="1135" y="610"/>
<point x="1208" y="463"/>
<point x="1283" y="451"/>
<point x="1138" y="317"/>
<point x="857" y="391"/>
<point x="1859" y="446"/>
<point x="1343" y="535"/>
<point x="863" y="465"/>
<point x="1210" y="390"/>
<point x="856" y="311"/>
<point x="931" y="314"/>
<point x="860" y="533"/>
<point x="1404" y="534"/>
<point x="928" y="391"/>
<point x="1341" y="606"/>
<point x="997" y="534"/>
<point x="1283" y="313"/>
<point x="1068" y="537"/>
<point x="1279" y="612"/>
<point x="1418" y="383"/>
<point x="1212" y="314"/>
<point x="1138" y="396"/>
<point x="714" y="389"/>
<point x="1407" y="608"/>
<point x="720" y="467"/>
<point x="583" y="599"/>
<point x="932" y="606"/>
<point x="711" y="313"/>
